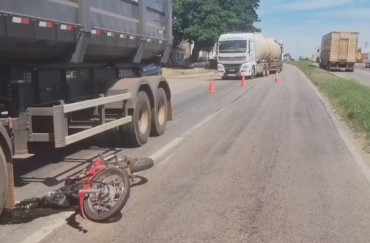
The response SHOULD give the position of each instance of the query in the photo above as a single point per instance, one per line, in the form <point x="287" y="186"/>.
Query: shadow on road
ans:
<point x="25" y="215"/>
<point x="46" y="154"/>
<point x="139" y="180"/>
<point x="71" y="221"/>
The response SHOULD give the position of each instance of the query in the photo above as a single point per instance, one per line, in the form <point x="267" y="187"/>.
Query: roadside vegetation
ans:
<point x="202" y="22"/>
<point x="350" y="99"/>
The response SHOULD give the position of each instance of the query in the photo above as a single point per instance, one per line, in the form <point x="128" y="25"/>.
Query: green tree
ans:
<point x="203" y="21"/>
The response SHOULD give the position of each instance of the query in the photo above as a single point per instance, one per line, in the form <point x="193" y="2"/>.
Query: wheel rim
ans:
<point x="111" y="189"/>
<point x="143" y="119"/>
<point x="161" y="112"/>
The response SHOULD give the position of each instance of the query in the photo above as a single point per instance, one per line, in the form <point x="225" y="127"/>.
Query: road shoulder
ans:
<point x="354" y="145"/>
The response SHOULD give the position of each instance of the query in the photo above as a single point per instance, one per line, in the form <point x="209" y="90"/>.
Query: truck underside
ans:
<point x="347" y="66"/>
<point x="263" y="68"/>
<point x="66" y="105"/>
<point x="79" y="72"/>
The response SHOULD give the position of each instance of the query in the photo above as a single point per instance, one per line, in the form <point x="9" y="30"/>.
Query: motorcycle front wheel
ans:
<point x="114" y="190"/>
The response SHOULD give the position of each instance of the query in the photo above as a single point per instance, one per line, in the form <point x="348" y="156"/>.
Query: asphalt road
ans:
<point x="259" y="164"/>
<point x="361" y="74"/>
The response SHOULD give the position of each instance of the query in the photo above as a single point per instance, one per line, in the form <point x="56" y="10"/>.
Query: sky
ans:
<point x="300" y="24"/>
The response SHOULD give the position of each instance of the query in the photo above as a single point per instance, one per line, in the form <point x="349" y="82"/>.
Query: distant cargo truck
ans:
<point x="367" y="61"/>
<point x="338" y="51"/>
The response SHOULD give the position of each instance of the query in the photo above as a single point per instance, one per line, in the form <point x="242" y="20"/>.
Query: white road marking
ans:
<point x="48" y="229"/>
<point x="168" y="158"/>
<point x="166" y="148"/>
<point x="348" y="139"/>
<point x="177" y="140"/>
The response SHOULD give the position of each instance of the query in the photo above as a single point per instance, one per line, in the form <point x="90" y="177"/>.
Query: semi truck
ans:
<point x="72" y="69"/>
<point x="248" y="54"/>
<point x="338" y="51"/>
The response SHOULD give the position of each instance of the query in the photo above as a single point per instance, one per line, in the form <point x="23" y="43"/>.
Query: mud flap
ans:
<point x="10" y="199"/>
<point x="169" y="108"/>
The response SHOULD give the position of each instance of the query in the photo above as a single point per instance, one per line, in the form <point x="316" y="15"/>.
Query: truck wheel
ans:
<point x="253" y="74"/>
<point x="3" y="180"/>
<point x="159" y="114"/>
<point x="136" y="133"/>
<point x="328" y="67"/>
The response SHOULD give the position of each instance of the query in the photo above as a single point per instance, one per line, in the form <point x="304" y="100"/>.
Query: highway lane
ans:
<point x="260" y="164"/>
<point x="361" y="74"/>
<point x="191" y="106"/>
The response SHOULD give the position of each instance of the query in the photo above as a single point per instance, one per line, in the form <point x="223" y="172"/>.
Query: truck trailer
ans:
<point x="248" y="54"/>
<point x="71" y="69"/>
<point x="338" y="51"/>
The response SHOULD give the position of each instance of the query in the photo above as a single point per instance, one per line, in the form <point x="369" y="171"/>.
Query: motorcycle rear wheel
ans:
<point x="114" y="185"/>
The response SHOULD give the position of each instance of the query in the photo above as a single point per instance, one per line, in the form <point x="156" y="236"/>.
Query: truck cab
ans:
<point x="236" y="55"/>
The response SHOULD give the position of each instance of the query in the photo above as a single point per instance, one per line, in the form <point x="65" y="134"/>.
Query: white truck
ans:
<point x="248" y="54"/>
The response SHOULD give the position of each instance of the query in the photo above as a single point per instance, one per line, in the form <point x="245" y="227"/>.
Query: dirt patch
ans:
<point x="175" y="72"/>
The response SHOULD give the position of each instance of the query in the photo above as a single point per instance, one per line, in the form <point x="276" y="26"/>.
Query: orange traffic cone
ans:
<point x="244" y="84"/>
<point x="277" y="78"/>
<point x="211" y="87"/>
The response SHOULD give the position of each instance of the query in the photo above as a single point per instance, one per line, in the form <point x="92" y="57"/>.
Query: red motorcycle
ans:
<point x="102" y="189"/>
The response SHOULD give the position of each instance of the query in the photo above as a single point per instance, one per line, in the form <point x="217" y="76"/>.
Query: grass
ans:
<point x="350" y="99"/>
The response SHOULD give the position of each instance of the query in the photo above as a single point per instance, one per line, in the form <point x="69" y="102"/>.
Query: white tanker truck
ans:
<point x="248" y="54"/>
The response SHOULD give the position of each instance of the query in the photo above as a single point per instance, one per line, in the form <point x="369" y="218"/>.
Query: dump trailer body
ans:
<point x="48" y="30"/>
<point x="338" y="50"/>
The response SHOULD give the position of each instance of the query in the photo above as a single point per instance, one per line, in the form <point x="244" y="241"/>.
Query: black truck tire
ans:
<point x="159" y="114"/>
<point x="136" y="133"/>
<point x="3" y="180"/>
<point x="253" y="74"/>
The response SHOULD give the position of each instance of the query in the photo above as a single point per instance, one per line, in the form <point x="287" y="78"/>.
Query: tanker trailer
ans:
<point x="71" y="69"/>
<point x="248" y="54"/>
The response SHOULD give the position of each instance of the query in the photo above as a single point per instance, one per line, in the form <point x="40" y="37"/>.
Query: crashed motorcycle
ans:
<point x="101" y="190"/>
